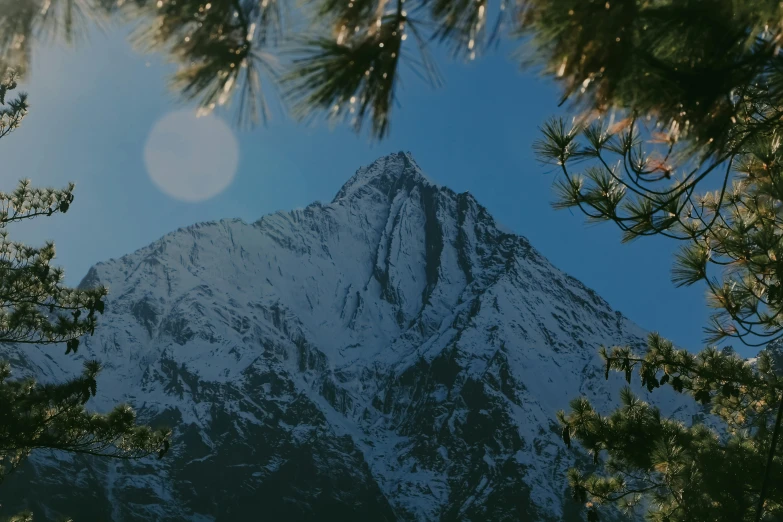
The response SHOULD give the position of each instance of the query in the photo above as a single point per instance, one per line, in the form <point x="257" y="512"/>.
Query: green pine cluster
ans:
<point x="36" y="308"/>
<point x="677" y="134"/>
<point x="673" y="472"/>
<point x="705" y="70"/>
<point x="700" y="67"/>
<point x="649" y="182"/>
<point x="339" y="59"/>
<point x="730" y="236"/>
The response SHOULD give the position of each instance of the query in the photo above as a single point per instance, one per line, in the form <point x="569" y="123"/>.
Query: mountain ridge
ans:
<point x="396" y="344"/>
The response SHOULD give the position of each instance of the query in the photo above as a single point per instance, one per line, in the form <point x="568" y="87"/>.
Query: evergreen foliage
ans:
<point x="731" y="236"/>
<point x="702" y="68"/>
<point x="340" y="59"/>
<point x="677" y="472"/>
<point x="36" y="308"/>
<point x="680" y="138"/>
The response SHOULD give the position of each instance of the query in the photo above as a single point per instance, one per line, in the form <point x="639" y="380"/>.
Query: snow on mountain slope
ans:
<point x="392" y="355"/>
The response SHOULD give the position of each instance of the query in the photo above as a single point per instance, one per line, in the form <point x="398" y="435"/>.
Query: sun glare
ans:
<point x="191" y="158"/>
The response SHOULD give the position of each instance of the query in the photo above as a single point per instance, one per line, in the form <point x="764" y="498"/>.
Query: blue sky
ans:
<point x="93" y="108"/>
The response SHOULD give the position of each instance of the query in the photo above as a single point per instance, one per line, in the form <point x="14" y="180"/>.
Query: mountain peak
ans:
<point x="396" y="345"/>
<point x="385" y="174"/>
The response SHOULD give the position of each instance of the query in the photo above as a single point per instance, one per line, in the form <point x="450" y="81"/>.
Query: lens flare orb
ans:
<point x="191" y="158"/>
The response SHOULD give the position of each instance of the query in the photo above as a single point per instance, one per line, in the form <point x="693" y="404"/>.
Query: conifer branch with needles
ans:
<point x="37" y="308"/>
<point x="682" y="472"/>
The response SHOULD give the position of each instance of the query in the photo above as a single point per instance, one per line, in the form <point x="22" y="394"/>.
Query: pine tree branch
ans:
<point x="768" y="467"/>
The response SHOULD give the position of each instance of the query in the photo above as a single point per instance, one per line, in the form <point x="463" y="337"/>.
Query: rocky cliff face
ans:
<point x="392" y="355"/>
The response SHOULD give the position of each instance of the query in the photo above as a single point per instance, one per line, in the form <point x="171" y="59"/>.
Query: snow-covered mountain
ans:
<point x="392" y="355"/>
